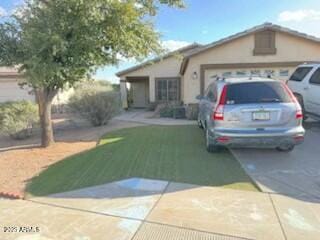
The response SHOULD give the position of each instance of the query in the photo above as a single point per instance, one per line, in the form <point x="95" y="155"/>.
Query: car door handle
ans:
<point x="305" y="88"/>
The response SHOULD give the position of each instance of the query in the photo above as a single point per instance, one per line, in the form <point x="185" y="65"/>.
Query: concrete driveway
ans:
<point x="144" y="209"/>
<point x="295" y="174"/>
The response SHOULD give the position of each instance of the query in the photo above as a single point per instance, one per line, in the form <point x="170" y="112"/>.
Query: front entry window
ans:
<point x="167" y="89"/>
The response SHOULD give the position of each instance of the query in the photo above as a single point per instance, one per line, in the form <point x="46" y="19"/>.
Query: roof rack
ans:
<point x="249" y="76"/>
<point x="222" y="79"/>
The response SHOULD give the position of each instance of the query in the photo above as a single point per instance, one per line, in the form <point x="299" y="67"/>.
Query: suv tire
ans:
<point x="199" y="123"/>
<point x="288" y="148"/>
<point x="211" y="147"/>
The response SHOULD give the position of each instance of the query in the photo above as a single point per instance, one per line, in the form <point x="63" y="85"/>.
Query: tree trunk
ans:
<point x="44" y="99"/>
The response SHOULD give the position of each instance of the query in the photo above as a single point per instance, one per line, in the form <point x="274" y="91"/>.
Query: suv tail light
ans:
<point x="219" y="111"/>
<point x="299" y="114"/>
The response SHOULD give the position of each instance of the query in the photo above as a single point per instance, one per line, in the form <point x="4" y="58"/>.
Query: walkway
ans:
<point x="146" y="117"/>
<point x="136" y="209"/>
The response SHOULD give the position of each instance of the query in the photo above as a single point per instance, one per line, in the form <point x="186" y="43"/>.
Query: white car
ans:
<point x="305" y="84"/>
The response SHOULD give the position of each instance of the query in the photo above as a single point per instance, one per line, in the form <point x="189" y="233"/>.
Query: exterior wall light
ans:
<point x="194" y="75"/>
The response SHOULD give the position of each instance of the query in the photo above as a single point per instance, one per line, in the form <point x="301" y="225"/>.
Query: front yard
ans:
<point x="173" y="153"/>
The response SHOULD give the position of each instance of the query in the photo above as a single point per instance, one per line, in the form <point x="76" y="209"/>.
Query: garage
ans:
<point x="275" y="73"/>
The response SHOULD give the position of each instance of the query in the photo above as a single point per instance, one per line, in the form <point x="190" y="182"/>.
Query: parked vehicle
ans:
<point x="250" y="112"/>
<point x="305" y="84"/>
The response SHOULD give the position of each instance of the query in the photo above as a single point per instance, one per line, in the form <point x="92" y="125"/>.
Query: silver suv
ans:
<point x="250" y="112"/>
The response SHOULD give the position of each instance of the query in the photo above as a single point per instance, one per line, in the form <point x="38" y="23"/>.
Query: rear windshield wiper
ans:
<point x="270" y="100"/>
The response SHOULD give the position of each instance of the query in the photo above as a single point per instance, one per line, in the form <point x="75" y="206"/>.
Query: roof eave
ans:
<point x="157" y="59"/>
<point x="266" y="26"/>
<point x="184" y="65"/>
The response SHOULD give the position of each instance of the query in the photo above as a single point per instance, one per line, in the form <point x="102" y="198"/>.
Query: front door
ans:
<point x="139" y="94"/>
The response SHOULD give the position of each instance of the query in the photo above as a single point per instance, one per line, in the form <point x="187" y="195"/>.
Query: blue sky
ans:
<point x="205" y="21"/>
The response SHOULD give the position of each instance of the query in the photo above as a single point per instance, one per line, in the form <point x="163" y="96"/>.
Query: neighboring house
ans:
<point x="10" y="90"/>
<point x="264" y="50"/>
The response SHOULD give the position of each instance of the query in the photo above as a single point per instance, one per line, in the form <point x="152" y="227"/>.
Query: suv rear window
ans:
<point x="256" y="92"/>
<point x="300" y="73"/>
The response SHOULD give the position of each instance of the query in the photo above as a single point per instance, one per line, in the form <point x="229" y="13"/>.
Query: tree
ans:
<point x="57" y="43"/>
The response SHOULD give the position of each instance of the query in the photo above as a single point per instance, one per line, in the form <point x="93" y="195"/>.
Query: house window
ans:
<point x="283" y="73"/>
<point x="214" y="76"/>
<point x="226" y="74"/>
<point x="269" y="73"/>
<point x="167" y="89"/>
<point x="265" y="43"/>
<point x="241" y="73"/>
<point x="255" y="73"/>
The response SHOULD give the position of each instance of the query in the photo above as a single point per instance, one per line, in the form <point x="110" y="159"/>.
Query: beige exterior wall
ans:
<point x="289" y="49"/>
<point x="9" y="88"/>
<point x="11" y="91"/>
<point x="63" y="96"/>
<point x="168" y="67"/>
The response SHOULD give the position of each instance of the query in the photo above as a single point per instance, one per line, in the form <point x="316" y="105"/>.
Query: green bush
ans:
<point x="17" y="119"/>
<point x="95" y="104"/>
<point x="166" y="111"/>
<point x="94" y="86"/>
<point x="171" y="110"/>
<point x="179" y="112"/>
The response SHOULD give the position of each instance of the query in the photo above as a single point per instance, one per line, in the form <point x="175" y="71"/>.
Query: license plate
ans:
<point x="261" y="116"/>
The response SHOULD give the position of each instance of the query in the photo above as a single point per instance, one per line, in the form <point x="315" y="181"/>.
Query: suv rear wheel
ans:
<point x="199" y="123"/>
<point x="287" y="148"/>
<point x="211" y="147"/>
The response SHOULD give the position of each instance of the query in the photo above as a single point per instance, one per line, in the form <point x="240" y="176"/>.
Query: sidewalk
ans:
<point x="146" y="117"/>
<point x="137" y="209"/>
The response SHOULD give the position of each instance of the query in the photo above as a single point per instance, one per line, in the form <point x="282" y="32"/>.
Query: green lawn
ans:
<point x="173" y="153"/>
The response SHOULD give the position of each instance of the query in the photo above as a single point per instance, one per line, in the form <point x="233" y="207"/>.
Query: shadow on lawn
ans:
<point x="65" y="131"/>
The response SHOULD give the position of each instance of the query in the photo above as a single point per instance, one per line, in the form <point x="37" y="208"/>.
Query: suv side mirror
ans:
<point x="199" y="97"/>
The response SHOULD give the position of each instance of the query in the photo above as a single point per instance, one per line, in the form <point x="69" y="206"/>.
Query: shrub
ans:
<point x="94" y="86"/>
<point x="179" y="112"/>
<point x="95" y="104"/>
<point x="17" y="119"/>
<point x="166" y="111"/>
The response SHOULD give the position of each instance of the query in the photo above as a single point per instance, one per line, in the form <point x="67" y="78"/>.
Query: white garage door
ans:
<point x="275" y="73"/>
<point x="11" y="91"/>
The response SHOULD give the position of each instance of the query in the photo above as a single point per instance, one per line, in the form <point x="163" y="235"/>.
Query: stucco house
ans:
<point x="264" y="50"/>
<point x="10" y="89"/>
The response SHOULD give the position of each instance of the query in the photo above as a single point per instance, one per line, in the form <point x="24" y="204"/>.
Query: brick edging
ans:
<point x="11" y="195"/>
